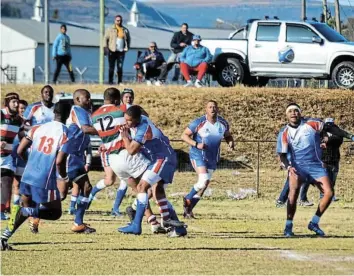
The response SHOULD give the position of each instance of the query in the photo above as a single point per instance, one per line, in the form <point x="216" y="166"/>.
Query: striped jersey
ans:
<point x="10" y="126"/>
<point x="107" y="120"/>
<point x="47" y="140"/>
<point x="37" y="114"/>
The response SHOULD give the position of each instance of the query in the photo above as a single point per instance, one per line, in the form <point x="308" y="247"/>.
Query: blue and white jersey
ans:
<point x="155" y="145"/>
<point x="47" y="140"/>
<point x="209" y="134"/>
<point x="38" y="114"/>
<point x="303" y="142"/>
<point x="79" y="140"/>
<point x="79" y="144"/>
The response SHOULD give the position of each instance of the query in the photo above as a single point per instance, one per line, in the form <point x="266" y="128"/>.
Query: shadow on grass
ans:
<point x="47" y="242"/>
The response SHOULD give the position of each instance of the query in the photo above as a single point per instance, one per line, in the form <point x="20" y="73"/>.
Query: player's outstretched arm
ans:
<point x="87" y="129"/>
<point x="334" y="129"/>
<point x="23" y="146"/>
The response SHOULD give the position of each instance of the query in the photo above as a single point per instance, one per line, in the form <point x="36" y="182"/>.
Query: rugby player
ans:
<point x="301" y="138"/>
<point x="204" y="135"/>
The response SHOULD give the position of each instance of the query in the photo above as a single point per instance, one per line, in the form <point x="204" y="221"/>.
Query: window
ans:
<point x="300" y="34"/>
<point x="268" y="32"/>
<point x="329" y="33"/>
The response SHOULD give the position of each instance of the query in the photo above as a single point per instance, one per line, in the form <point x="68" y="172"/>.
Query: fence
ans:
<point x="89" y="75"/>
<point x="254" y="166"/>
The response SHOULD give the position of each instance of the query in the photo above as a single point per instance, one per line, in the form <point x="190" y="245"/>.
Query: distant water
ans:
<point x="206" y="16"/>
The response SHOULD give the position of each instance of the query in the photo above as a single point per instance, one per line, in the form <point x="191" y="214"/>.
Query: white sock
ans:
<point x="315" y="219"/>
<point x="142" y="198"/>
<point x="288" y="222"/>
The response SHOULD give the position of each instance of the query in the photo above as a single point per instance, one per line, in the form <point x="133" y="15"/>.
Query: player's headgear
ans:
<point x="293" y="106"/>
<point x="128" y="91"/>
<point x="10" y="96"/>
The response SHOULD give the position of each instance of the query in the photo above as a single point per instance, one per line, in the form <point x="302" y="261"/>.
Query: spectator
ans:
<point x="195" y="58"/>
<point x="180" y="40"/>
<point x="117" y="43"/>
<point x="61" y="52"/>
<point x="151" y="60"/>
<point x="331" y="154"/>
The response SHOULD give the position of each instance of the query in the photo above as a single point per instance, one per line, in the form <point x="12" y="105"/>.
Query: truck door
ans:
<point x="308" y="50"/>
<point x="263" y="48"/>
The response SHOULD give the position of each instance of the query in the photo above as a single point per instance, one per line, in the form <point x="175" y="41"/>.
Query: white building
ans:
<point x="22" y="46"/>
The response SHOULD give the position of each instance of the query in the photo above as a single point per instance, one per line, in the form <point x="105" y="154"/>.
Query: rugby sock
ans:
<point x="172" y="211"/>
<point x="163" y="207"/>
<point x="288" y="222"/>
<point x="16" y="199"/>
<point x="194" y="201"/>
<point x="315" y="219"/>
<point x="119" y="198"/>
<point x="140" y="208"/>
<point x="73" y="201"/>
<point x="99" y="186"/>
<point x="191" y="194"/>
<point x="81" y="208"/>
<point x="152" y="220"/>
<point x="16" y="220"/>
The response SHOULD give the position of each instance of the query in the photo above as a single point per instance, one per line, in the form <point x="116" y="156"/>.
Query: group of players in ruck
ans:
<point x="43" y="155"/>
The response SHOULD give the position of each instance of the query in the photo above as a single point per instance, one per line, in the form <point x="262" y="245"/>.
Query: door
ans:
<point x="263" y="48"/>
<point x="309" y="51"/>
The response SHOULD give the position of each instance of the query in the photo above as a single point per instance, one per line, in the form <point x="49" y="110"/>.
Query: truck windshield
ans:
<point x="330" y="34"/>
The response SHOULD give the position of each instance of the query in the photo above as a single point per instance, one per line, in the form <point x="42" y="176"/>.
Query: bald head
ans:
<point x="82" y="98"/>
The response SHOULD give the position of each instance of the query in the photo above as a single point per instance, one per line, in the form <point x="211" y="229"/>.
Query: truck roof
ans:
<point x="286" y="21"/>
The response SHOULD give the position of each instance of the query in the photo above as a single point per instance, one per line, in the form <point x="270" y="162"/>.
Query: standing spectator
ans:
<point x="331" y="154"/>
<point x="180" y="40"/>
<point x="61" y="52"/>
<point x="151" y="60"/>
<point x="195" y="58"/>
<point x="117" y="43"/>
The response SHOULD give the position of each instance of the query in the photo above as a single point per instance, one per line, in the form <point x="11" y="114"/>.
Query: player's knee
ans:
<point x="87" y="188"/>
<point x="122" y="185"/>
<point x="203" y="181"/>
<point x="328" y="193"/>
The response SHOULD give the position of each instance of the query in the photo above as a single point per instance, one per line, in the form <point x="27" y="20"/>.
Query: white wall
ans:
<point x="17" y="50"/>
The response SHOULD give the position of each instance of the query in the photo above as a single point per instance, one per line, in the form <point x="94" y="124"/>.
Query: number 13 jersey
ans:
<point x="107" y="120"/>
<point x="47" y="140"/>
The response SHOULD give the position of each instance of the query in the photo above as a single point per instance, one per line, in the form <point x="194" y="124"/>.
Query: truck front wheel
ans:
<point x="343" y="75"/>
<point x="229" y="72"/>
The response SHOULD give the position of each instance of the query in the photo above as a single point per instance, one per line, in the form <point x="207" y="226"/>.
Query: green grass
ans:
<point x="230" y="237"/>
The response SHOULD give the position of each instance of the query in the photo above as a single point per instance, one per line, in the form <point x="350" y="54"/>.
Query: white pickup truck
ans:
<point x="266" y="49"/>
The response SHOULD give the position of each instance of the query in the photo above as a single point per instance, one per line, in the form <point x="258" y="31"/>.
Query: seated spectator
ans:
<point x="179" y="42"/>
<point x="195" y="58"/>
<point x="150" y="62"/>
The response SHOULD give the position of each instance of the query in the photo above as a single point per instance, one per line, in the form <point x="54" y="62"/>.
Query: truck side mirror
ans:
<point x="317" y="39"/>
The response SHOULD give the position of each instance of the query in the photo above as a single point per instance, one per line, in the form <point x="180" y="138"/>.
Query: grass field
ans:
<point x="229" y="237"/>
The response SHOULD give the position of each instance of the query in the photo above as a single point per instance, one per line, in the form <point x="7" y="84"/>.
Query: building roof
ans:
<point x="89" y="36"/>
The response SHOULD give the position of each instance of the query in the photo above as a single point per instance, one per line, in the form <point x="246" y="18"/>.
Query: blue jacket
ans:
<point x="61" y="45"/>
<point x="195" y="56"/>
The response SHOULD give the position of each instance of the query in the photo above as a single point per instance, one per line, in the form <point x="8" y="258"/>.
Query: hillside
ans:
<point x="254" y="114"/>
